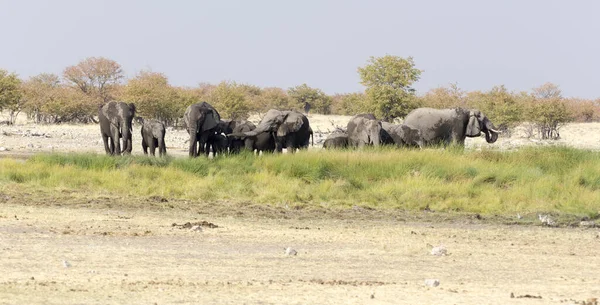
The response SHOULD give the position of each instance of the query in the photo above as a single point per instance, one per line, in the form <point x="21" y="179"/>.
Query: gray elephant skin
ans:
<point x="237" y="143"/>
<point x="201" y="120"/>
<point x="336" y="140"/>
<point x="291" y="128"/>
<point x="364" y="129"/>
<point x="450" y="126"/>
<point x="262" y="142"/>
<point x="115" y="124"/>
<point x="153" y="137"/>
<point x="403" y="135"/>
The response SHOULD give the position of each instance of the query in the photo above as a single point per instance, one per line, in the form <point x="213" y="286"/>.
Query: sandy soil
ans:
<point x="138" y="257"/>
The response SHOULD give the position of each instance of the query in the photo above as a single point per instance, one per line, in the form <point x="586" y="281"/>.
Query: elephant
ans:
<point x="291" y="128"/>
<point x="237" y="143"/>
<point x="115" y="124"/>
<point x="403" y="135"/>
<point x="262" y="142"/>
<point x="153" y="136"/>
<point x="201" y="120"/>
<point x="364" y="129"/>
<point x="336" y="140"/>
<point x="218" y="143"/>
<point x="450" y="126"/>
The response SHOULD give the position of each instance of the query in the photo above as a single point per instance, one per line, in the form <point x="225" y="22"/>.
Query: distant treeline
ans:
<point x="76" y="95"/>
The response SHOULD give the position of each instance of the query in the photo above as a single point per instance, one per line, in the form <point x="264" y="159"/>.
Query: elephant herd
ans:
<point x="421" y="127"/>
<point x="208" y="132"/>
<point x="291" y="130"/>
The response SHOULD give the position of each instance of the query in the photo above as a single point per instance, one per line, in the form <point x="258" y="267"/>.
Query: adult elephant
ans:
<point x="336" y="140"/>
<point x="201" y="120"/>
<point x="364" y="129"/>
<point x="115" y="124"/>
<point x="403" y="135"/>
<point x="450" y="126"/>
<point x="153" y="137"/>
<point x="291" y="128"/>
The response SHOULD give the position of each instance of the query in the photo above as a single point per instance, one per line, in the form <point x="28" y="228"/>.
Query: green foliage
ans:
<point x="230" y="100"/>
<point x="153" y="96"/>
<point x="276" y="98"/>
<point x="548" y="110"/>
<point x="388" y="80"/>
<point x="500" y="105"/>
<point x="349" y="103"/>
<point x="10" y="93"/>
<point x="550" y="179"/>
<point x="311" y="99"/>
<point x="444" y="97"/>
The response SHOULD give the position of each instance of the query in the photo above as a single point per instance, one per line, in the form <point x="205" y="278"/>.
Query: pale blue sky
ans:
<point x="478" y="44"/>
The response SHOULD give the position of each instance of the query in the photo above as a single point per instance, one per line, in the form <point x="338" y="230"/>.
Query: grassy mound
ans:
<point x="549" y="179"/>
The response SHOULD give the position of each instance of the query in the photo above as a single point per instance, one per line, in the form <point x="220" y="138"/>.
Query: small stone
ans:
<point x="30" y="145"/>
<point x="439" y="251"/>
<point x="589" y="224"/>
<point x="3" y="149"/>
<point x="432" y="282"/>
<point x="66" y="264"/>
<point x="290" y="251"/>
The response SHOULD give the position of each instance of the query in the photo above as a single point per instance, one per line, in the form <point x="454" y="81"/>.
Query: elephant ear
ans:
<point x="473" y="127"/>
<point x="293" y="122"/>
<point x="211" y="120"/>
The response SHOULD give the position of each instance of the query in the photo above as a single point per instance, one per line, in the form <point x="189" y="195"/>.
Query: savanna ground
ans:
<point x="122" y="246"/>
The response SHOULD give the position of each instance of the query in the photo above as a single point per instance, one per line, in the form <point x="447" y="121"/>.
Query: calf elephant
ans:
<point x="262" y="142"/>
<point x="336" y="140"/>
<point x="450" y="126"/>
<point x="403" y="135"/>
<point x="115" y="124"/>
<point x="153" y="137"/>
<point x="237" y="143"/>
<point x="201" y="120"/>
<point x="218" y="143"/>
<point x="292" y="129"/>
<point x="364" y="129"/>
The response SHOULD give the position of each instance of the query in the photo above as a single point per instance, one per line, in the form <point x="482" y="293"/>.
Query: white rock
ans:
<point x="3" y="149"/>
<point x="196" y="229"/>
<point x="432" y="282"/>
<point x="66" y="264"/>
<point x="290" y="251"/>
<point x="546" y="220"/>
<point x="439" y="251"/>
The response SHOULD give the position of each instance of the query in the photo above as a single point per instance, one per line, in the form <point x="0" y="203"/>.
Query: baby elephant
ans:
<point x="405" y="136"/>
<point x="153" y="136"/>
<point x="336" y="140"/>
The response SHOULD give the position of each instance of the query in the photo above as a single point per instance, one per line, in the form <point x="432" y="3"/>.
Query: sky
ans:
<point x="477" y="44"/>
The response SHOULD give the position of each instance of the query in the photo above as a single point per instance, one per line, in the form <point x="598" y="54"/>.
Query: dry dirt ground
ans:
<point x="76" y="251"/>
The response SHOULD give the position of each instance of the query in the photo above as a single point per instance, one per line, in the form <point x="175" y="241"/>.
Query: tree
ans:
<point x="38" y="91"/>
<point x="310" y="99"/>
<point x="98" y="78"/>
<point x="275" y="98"/>
<point x="388" y="80"/>
<point x="10" y="94"/>
<point x="444" y="97"/>
<point x="153" y="96"/>
<point x="349" y="103"/>
<point x="548" y="110"/>
<point x="499" y="105"/>
<point x="229" y="99"/>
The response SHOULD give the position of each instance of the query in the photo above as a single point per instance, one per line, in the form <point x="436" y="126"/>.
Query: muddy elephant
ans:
<point x="115" y="124"/>
<point x="201" y="119"/>
<point x="291" y="128"/>
<point x="403" y="135"/>
<point x="336" y="140"/>
<point x="153" y="136"/>
<point x="450" y="126"/>
<point x="364" y="129"/>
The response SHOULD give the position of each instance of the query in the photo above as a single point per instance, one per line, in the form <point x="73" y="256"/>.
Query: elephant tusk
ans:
<point x="496" y="131"/>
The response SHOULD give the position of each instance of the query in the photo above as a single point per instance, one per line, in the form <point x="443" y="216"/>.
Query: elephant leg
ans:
<point x="116" y="139"/>
<point x="145" y="147"/>
<point x="162" y="150"/>
<point x="153" y="147"/>
<point x="106" y="147"/>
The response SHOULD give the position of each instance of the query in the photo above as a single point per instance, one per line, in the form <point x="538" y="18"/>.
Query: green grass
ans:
<point x="550" y="179"/>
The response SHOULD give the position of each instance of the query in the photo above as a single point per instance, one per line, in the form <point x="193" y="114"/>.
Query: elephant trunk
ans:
<point x="491" y="135"/>
<point x="375" y="137"/>
<point x="127" y="145"/>
<point x="259" y="129"/>
<point x="193" y="131"/>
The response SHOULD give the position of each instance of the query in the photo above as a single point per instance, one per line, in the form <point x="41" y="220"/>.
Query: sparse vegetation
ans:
<point x="552" y="179"/>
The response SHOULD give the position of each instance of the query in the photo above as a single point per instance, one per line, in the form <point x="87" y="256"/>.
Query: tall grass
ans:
<point x="553" y="179"/>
